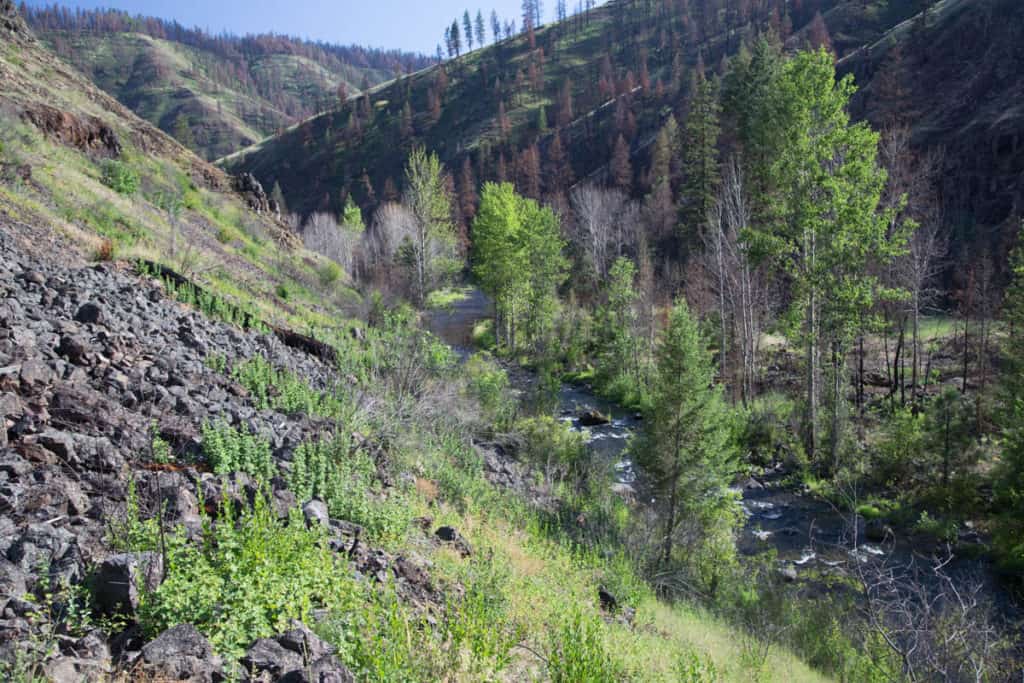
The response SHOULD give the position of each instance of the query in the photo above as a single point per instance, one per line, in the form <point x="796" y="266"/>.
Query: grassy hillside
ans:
<point x="214" y="94"/>
<point x="84" y="179"/>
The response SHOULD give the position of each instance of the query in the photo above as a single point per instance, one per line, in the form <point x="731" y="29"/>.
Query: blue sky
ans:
<point x="405" y="24"/>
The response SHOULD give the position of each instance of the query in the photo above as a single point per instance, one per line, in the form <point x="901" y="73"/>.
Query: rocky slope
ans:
<point x="93" y="364"/>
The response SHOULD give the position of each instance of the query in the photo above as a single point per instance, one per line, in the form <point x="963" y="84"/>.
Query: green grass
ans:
<point x="448" y="297"/>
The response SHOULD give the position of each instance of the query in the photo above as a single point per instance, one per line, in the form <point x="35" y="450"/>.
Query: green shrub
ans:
<point x="329" y="273"/>
<point x="120" y="177"/>
<point x="479" y="620"/>
<point x="131" y="531"/>
<point x="226" y="235"/>
<point x="901" y="448"/>
<point x="246" y="578"/>
<point x="283" y="292"/>
<point x="552" y="443"/>
<point x="940" y="528"/>
<point x="488" y="383"/>
<point x="691" y="667"/>
<point x="344" y="479"/>
<point x="286" y="392"/>
<point x="159" y="448"/>
<point x="230" y="450"/>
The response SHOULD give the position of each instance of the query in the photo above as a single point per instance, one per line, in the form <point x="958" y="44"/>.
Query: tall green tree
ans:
<point x="352" y="217"/>
<point x="620" y="346"/>
<point x="689" y="448"/>
<point x="518" y="260"/>
<point x="432" y="249"/>
<point x="826" y="224"/>
<point x="700" y="155"/>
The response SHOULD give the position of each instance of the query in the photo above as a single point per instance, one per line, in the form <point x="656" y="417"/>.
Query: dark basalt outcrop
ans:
<point x="88" y="134"/>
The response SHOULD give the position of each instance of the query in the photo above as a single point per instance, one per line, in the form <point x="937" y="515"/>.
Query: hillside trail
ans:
<point x="811" y="539"/>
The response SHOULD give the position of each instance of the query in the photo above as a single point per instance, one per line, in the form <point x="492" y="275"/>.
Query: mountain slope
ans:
<point x="215" y="94"/>
<point x="627" y="65"/>
<point x="617" y="69"/>
<point x="956" y="78"/>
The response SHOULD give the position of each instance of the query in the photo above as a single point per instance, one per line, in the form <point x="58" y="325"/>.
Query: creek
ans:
<point x="811" y="539"/>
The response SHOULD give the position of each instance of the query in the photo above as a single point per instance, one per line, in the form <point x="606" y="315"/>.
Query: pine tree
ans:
<point x="666" y="149"/>
<point x="495" y="26"/>
<point x="1009" y="477"/>
<point x="467" y="29"/>
<point x="406" y="129"/>
<point x="481" y="30"/>
<point x="565" y="114"/>
<point x="528" y="172"/>
<point x="818" y="35"/>
<point x="456" y="39"/>
<point x="467" y="191"/>
<point x="278" y="196"/>
<point x="558" y="170"/>
<point x="689" y="450"/>
<point x="700" y="156"/>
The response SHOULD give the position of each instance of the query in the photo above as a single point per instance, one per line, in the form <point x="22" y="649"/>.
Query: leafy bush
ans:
<point x="329" y="470"/>
<point x="120" y="177"/>
<point x="488" y="383"/>
<point x="329" y="274"/>
<point x="247" y="578"/>
<point x="479" y="621"/>
<point x="284" y="391"/>
<point x="104" y="219"/>
<point x="552" y="443"/>
<point x="230" y="450"/>
<point x="131" y="531"/>
<point x="901" y="448"/>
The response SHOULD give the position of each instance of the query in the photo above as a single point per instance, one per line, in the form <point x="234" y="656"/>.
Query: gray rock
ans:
<point x="315" y="512"/>
<point x="451" y="536"/>
<point x="270" y="658"/>
<point x="121" y="581"/>
<point x="303" y="642"/>
<point x="327" y="669"/>
<point x="35" y="372"/>
<point x="89" y="314"/>
<point x="33" y="277"/>
<point x="75" y="348"/>
<point x="75" y="670"/>
<point x="180" y="653"/>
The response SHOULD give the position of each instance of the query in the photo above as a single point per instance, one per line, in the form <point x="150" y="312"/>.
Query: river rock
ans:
<point x="593" y="418"/>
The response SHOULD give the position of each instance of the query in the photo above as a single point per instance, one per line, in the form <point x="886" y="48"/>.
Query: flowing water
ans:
<point x="808" y="535"/>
